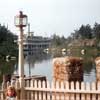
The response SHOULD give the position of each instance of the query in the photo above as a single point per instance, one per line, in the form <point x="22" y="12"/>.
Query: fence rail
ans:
<point x="44" y="90"/>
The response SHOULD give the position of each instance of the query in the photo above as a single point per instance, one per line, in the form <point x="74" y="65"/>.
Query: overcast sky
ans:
<point x="51" y="16"/>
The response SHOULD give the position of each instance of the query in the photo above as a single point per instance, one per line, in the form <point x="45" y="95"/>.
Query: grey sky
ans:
<point x="51" y="16"/>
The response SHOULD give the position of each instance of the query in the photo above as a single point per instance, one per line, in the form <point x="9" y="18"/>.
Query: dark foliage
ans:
<point x="7" y="44"/>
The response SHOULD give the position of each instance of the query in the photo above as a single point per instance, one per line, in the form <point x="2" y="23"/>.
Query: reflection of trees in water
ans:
<point x="88" y="59"/>
<point x="88" y="64"/>
<point x="6" y="68"/>
<point x="37" y="58"/>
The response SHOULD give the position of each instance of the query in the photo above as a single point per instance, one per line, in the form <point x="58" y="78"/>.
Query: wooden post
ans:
<point x="3" y="89"/>
<point x="17" y="85"/>
<point x="22" y="85"/>
<point x="97" y="61"/>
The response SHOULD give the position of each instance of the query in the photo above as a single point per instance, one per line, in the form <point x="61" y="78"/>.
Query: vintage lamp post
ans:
<point x="20" y="21"/>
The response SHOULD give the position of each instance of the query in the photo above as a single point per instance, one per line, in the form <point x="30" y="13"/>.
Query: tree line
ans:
<point x="9" y="47"/>
<point x="7" y="44"/>
<point x="84" y="32"/>
<point x="87" y="32"/>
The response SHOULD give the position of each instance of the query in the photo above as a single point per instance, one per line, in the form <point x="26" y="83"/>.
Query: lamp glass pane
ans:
<point x="20" y="21"/>
<point x="25" y="21"/>
<point x="17" y="21"/>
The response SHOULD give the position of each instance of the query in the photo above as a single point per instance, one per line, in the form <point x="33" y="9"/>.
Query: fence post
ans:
<point x="98" y="88"/>
<point x="17" y="85"/>
<point x="77" y="86"/>
<point x="93" y="89"/>
<point x="88" y="96"/>
<point x="3" y="93"/>
<point x="22" y="85"/>
<point x="67" y="95"/>
<point x="83" y="89"/>
<point x="97" y="62"/>
<point x="48" y="93"/>
<point x="72" y="88"/>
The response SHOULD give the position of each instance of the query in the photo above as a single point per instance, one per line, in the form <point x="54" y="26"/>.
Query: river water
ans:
<point x="42" y="65"/>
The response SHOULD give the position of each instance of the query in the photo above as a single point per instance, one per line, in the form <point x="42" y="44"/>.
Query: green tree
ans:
<point x="85" y="31"/>
<point x="96" y="30"/>
<point x="7" y="45"/>
<point x="57" y="40"/>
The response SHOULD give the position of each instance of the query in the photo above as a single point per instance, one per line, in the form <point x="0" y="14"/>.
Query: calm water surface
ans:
<point x="42" y="65"/>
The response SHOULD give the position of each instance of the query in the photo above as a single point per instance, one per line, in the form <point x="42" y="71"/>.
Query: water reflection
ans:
<point x="89" y="68"/>
<point x="41" y="64"/>
<point x="6" y="68"/>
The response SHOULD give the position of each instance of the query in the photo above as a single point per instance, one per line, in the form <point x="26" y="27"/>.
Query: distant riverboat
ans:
<point x="35" y="44"/>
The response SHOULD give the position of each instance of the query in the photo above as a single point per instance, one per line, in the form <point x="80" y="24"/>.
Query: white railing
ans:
<point x="37" y="90"/>
<point x="62" y="91"/>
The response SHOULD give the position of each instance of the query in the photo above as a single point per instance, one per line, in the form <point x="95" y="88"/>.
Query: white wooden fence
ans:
<point x="37" y="90"/>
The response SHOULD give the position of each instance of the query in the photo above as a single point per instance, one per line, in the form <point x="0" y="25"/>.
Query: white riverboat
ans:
<point x="35" y="44"/>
